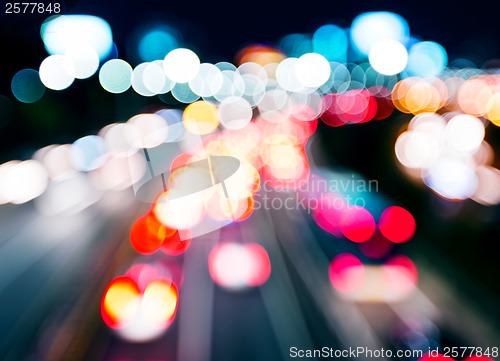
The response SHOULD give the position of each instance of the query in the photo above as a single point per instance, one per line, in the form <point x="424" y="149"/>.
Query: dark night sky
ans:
<point x="218" y="29"/>
<point x="223" y="26"/>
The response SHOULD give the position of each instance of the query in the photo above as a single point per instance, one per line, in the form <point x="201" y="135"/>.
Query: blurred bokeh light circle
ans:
<point x="488" y="192"/>
<point x="369" y="28"/>
<point x="159" y="302"/>
<point x="88" y="153"/>
<point x="138" y="83"/>
<point x="388" y="57"/>
<point x="181" y="65"/>
<point x="235" y="113"/>
<point x="149" y="130"/>
<point x="183" y="93"/>
<point x="464" y="133"/>
<point x="177" y="243"/>
<point x="57" y="72"/>
<point x="157" y="43"/>
<point x="21" y="182"/>
<point x="84" y="59"/>
<point x="426" y="58"/>
<point x="154" y="79"/>
<point x="397" y="224"/>
<point x="115" y="76"/>
<point x="208" y="81"/>
<point x="61" y="32"/>
<point x="27" y="86"/>
<point x="147" y="234"/>
<point x="120" y="302"/>
<point x="312" y="70"/>
<point x="451" y="178"/>
<point x="347" y="273"/>
<point x="200" y="117"/>
<point x="331" y="42"/>
<point x="237" y="266"/>
<point x="357" y="224"/>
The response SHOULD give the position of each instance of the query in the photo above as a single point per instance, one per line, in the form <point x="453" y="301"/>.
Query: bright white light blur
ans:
<point x="84" y="59"/>
<point x="369" y="28"/>
<point x="176" y="129"/>
<point x="286" y="77"/>
<point x="255" y="79"/>
<point x="62" y="32"/>
<point x="138" y="80"/>
<point x="305" y="107"/>
<point x="232" y="265"/>
<point x="30" y="179"/>
<point x="57" y="72"/>
<point x="181" y="65"/>
<point x="154" y="78"/>
<point x="159" y="303"/>
<point x="241" y="184"/>
<point x="58" y="164"/>
<point x="254" y="69"/>
<point x="388" y="57"/>
<point x="464" y="133"/>
<point x="232" y="85"/>
<point x="255" y="88"/>
<point x="235" y="113"/>
<point x="115" y="76"/>
<point x="5" y="182"/>
<point x="21" y="182"/>
<point x="451" y="178"/>
<point x="312" y="70"/>
<point x="88" y="153"/>
<point x="120" y="138"/>
<point x="274" y="100"/>
<point x="119" y="172"/>
<point x="429" y="123"/>
<point x="149" y="130"/>
<point x="190" y="141"/>
<point x="417" y="150"/>
<point x="67" y="197"/>
<point x="139" y="330"/>
<point x="208" y="81"/>
<point x="182" y="212"/>
<point x="169" y="84"/>
<point x="237" y="266"/>
<point x="488" y="190"/>
<point x="484" y="154"/>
